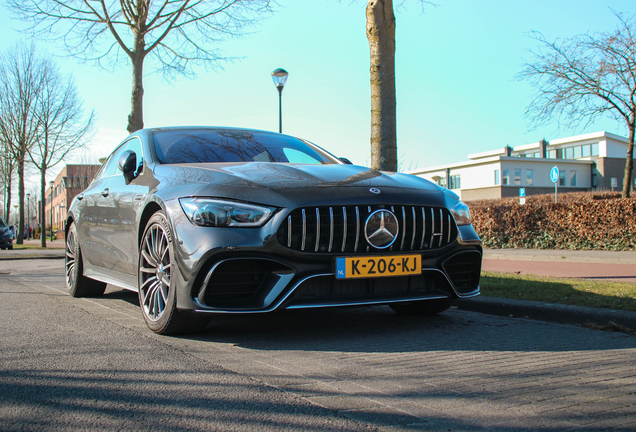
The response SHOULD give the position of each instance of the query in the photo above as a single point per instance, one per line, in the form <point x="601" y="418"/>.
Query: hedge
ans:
<point x="586" y="220"/>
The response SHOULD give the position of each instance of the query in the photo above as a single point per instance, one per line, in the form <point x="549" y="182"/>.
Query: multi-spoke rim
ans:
<point x="154" y="272"/>
<point x="70" y="260"/>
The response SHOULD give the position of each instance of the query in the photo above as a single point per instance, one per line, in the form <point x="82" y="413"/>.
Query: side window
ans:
<point x="111" y="166"/>
<point x="135" y="145"/>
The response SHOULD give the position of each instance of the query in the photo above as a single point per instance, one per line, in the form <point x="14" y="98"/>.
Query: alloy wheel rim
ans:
<point x="70" y="260"/>
<point x="154" y="272"/>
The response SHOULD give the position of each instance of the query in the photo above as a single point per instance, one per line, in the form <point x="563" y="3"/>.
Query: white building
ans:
<point x="585" y="162"/>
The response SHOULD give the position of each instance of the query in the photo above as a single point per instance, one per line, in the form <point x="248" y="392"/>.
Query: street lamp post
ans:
<point x="28" y="196"/>
<point x="279" y="76"/>
<point x="51" y="186"/>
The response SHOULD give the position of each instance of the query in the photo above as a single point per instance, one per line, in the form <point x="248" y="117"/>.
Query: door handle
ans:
<point x="105" y="192"/>
<point x="79" y="196"/>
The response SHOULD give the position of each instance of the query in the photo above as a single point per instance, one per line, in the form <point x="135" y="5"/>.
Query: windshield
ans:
<point x="234" y="145"/>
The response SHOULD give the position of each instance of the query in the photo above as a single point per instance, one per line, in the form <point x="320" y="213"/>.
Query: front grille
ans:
<point x="340" y="229"/>
<point x="464" y="270"/>
<point x="325" y="290"/>
<point x="234" y="280"/>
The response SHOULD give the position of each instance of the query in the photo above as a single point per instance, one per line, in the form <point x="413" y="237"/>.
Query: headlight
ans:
<point x="461" y="213"/>
<point x="218" y="213"/>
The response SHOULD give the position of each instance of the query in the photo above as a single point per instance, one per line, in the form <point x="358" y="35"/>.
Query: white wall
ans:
<point x="541" y="171"/>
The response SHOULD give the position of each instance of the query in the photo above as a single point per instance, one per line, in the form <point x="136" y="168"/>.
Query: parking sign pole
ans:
<point x="554" y="176"/>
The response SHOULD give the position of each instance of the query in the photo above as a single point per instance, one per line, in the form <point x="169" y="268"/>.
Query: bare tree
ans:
<point x="7" y="172"/>
<point x="178" y="33"/>
<point x="583" y="78"/>
<point x="62" y="126"/>
<point x="21" y="77"/>
<point x="381" y="37"/>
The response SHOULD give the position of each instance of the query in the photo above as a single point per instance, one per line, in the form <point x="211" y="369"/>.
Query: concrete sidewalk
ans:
<point x="588" y="256"/>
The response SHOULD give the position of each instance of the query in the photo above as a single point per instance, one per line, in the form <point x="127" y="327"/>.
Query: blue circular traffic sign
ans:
<point x="554" y="174"/>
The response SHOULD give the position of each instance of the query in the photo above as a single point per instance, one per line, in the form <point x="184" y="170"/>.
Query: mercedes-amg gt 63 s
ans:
<point x="207" y="220"/>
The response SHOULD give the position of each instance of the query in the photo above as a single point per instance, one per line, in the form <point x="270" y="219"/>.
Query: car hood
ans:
<point x="269" y="182"/>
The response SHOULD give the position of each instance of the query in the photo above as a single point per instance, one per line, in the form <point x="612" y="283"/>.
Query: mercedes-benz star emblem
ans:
<point x="381" y="229"/>
<point x="375" y="191"/>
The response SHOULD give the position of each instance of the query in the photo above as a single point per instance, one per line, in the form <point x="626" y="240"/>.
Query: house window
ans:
<point x="517" y="176"/>
<point x="455" y="182"/>
<point x="568" y="153"/>
<point x="595" y="149"/>
<point x="536" y="155"/>
<point x="561" y="178"/>
<point x="585" y="151"/>
<point x="496" y="177"/>
<point x="506" y="178"/>
<point x="551" y="154"/>
<point x="572" y="178"/>
<point x="529" y="177"/>
<point x="577" y="152"/>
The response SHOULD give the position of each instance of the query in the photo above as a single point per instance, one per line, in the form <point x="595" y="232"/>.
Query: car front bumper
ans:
<point x="230" y="270"/>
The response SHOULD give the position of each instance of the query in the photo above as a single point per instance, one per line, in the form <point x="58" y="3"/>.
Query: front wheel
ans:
<point x="77" y="284"/>
<point x="422" y="307"/>
<point x="157" y="291"/>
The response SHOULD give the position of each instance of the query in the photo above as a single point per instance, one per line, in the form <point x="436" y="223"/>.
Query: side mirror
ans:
<point x="345" y="160"/>
<point x="128" y="165"/>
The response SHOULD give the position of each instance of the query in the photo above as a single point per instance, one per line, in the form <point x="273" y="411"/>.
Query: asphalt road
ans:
<point x="91" y="364"/>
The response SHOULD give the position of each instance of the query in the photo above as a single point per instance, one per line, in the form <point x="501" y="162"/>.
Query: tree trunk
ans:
<point x="629" y="163"/>
<point x="42" y="208"/>
<point x="136" y="117"/>
<point x="7" y="209"/>
<point x="381" y="36"/>
<point x="20" y="234"/>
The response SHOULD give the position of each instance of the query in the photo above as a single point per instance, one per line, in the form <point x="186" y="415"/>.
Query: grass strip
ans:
<point x="578" y="292"/>
<point x="49" y="245"/>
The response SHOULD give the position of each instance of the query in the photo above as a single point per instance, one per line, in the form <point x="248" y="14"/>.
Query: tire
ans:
<point x="10" y="247"/>
<point x="424" y="307"/>
<point x="77" y="284"/>
<point x="157" y="290"/>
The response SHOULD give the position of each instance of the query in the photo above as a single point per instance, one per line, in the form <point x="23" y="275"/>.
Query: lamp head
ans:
<point x="279" y="76"/>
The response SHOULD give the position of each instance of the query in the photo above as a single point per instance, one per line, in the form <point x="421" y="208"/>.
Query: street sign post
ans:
<point x="554" y="176"/>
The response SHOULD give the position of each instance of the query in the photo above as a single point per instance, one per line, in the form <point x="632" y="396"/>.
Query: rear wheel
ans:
<point x="423" y="307"/>
<point x="77" y="284"/>
<point x="157" y="292"/>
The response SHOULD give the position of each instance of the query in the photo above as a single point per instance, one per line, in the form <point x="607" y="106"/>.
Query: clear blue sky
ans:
<point x="455" y="64"/>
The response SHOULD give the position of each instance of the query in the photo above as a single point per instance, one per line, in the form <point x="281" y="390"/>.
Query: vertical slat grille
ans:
<point x="332" y="229"/>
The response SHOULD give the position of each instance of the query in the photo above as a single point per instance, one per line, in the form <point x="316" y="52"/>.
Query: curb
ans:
<point x="25" y="257"/>
<point x="551" y="312"/>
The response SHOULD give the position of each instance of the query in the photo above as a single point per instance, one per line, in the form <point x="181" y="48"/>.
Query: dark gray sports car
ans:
<point x="202" y="220"/>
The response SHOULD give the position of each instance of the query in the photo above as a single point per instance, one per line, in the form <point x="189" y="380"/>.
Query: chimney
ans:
<point x="543" y="148"/>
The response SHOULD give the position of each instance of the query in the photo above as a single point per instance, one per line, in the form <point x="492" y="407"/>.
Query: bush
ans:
<point x="582" y="220"/>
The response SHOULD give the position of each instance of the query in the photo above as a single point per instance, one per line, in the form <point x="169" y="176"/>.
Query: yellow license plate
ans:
<point x="378" y="266"/>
